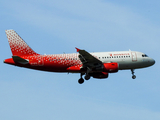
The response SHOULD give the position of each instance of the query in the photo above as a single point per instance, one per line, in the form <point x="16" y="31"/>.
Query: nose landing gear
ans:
<point x="133" y="76"/>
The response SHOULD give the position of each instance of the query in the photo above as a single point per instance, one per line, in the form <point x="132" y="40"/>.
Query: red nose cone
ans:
<point x="9" y="61"/>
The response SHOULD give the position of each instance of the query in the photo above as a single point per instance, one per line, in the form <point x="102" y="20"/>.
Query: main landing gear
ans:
<point x="87" y="76"/>
<point x="81" y="80"/>
<point x="133" y="76"/>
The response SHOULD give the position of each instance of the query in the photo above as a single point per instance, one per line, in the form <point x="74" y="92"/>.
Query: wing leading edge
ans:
<point x="88" y="60"/>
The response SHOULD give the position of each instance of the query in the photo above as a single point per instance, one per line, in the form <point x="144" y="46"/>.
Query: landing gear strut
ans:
<point x="133" y="76"/>
<point x="81" y="80"/>
<point x="87" y="76"/>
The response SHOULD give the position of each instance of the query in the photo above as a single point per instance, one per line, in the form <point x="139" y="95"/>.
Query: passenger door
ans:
<point x="134" y="56"/>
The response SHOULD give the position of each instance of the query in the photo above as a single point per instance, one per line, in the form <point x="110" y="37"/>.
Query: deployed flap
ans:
<point x="20" y="60"/>
<point x="88" y="60"/>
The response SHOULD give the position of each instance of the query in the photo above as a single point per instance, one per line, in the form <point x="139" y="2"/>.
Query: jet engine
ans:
<point x="110" y="67"/>
<point x="100" y="75"/>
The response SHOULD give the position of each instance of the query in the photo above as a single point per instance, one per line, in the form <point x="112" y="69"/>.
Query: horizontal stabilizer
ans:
<point x="20" y="60"/>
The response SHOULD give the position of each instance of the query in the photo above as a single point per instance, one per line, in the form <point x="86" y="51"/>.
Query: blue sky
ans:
<point x="53" y="27"/>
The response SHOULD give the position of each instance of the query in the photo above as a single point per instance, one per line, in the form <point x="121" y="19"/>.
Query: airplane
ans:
<point x="97" y="65"/>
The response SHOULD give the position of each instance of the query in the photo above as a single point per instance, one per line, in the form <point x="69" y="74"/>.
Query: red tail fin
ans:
<point x="18" y="46"/>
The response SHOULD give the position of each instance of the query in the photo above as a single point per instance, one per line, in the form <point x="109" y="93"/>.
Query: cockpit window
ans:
<point x="144" y="55"/>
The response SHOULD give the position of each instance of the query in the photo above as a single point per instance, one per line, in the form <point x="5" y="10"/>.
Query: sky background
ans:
<point x="58" y="26"/>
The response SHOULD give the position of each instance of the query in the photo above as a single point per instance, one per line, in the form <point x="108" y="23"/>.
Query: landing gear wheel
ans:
<point x="87" y="77"/>
<point x="81" y="80"/>
<point x="133" y="77"/>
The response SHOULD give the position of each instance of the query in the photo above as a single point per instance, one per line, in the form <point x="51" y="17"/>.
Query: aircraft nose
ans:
<point x="152" y="61"/>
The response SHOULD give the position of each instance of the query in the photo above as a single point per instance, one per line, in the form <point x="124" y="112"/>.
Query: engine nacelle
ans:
<point x="110" y="67"/>
<point x="100" y="75"/>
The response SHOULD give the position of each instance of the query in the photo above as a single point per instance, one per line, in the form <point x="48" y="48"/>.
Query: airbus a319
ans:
<point x="97" y="65"/>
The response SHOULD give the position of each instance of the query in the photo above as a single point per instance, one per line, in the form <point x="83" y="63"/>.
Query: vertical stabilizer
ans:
<point x="18" y="46"/>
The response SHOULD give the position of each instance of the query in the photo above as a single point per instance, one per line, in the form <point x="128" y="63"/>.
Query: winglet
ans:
<point x="77" y="49"/>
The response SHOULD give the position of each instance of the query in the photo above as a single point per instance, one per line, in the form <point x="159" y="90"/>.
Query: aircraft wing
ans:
<point x="88" y="60"/>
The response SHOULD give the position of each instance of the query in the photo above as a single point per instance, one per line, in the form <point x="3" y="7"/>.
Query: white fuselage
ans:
<point x="126" y="59"/>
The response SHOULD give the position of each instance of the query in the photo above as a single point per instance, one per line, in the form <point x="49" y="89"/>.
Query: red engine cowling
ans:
<point x="110" y="67"/>
<point x="100" y="75"/>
